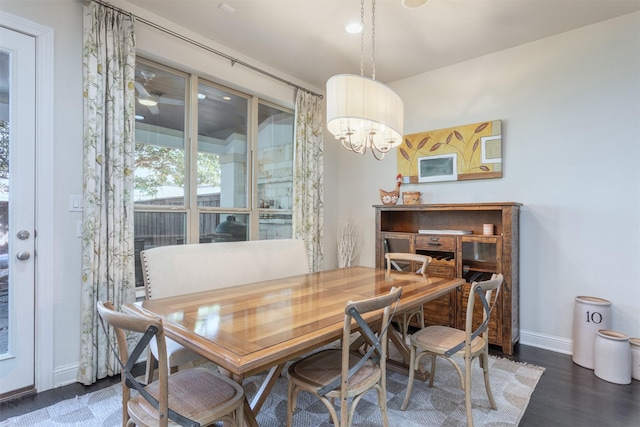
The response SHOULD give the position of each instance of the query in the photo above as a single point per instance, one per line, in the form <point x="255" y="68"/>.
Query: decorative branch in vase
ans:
<point x="348" y="245"/>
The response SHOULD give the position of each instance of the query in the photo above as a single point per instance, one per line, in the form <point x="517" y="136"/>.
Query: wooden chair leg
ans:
<point x="432" y="374"/>
<point x="405" y="326"/>
<point x="412" y="373"/>
<point x="382" y="401"/>
<point x="484" y="357"/>
<point x="467" y="390"/>
<point x="291" y="403"/>
<point x="240" y="416"/>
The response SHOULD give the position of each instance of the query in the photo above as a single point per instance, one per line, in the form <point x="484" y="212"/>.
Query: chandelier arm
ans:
<point x="383" y="149"/>
<point x="356" y="148"/>
<point x="344" y="144"/>
<point x="374" y="150"/>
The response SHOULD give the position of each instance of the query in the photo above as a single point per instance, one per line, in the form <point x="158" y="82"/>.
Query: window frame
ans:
<point x="190" y="202"/>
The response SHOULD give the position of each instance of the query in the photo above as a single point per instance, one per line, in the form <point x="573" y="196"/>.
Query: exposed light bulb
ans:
<point x="354" y="28"/>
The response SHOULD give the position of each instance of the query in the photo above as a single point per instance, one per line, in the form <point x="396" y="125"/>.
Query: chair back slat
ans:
<point x="150" y="328"/>
<point x="376" y="342"/>
<point x="391" y="257"/>
<point x="484" y="290"/>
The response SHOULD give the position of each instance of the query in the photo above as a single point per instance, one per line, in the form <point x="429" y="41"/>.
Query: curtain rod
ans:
<point x="207" y="48"/>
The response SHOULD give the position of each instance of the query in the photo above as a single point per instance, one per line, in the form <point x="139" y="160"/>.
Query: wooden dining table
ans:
<point x="248" y="329"/>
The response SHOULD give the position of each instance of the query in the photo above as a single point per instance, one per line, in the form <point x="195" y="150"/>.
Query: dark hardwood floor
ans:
<point x="567" y="395"/>
<point x="570" y="395"/>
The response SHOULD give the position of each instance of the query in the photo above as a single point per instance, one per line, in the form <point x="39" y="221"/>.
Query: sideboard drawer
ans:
<point x="436" y="242"/>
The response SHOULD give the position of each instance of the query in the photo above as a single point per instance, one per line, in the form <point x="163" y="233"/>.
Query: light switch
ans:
<point x="75" y="203"/>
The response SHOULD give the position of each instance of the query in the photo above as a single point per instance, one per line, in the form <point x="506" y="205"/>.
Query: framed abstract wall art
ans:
<point x="459" y="153"/>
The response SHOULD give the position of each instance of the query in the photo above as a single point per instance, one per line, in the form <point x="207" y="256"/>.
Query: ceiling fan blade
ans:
<point x="153" y="109"/>
<point x="142" y="91"/>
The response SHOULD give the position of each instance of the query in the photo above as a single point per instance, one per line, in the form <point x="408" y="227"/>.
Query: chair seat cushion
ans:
<point x="199" y="394"/>
<point x="439" y="339"/>
<point x="319" y="369"/>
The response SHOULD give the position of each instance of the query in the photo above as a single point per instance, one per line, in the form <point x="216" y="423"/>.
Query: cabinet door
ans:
<point x="481" y="257"/>
<point x="440" y="311"/>
<point x="398" y="242"/>
<point x="442" y="250"/>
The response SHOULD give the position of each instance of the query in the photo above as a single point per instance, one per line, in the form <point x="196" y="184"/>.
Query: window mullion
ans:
<point x="253" y="148"/>
<point x="191" y="153"/>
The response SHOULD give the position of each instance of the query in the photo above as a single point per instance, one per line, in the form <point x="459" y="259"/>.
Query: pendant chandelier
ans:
<point x="363" y="113"/>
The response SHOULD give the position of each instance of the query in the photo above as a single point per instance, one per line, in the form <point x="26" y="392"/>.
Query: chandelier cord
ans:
<point x="373" y="39"/>
<point x="362" y="38"/>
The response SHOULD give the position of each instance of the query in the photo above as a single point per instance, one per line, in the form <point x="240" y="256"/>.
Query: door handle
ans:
<point x="23" y="255"/>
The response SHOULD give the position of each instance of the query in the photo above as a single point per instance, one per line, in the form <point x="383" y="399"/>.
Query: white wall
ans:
<point x="570" y="111"/>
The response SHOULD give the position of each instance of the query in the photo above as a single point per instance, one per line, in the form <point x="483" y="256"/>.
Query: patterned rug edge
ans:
<point x="512" y="384"/>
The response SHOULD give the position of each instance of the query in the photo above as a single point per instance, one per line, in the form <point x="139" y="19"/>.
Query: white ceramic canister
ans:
<point x="612" y="357"/>
<point x="589" y="315"/>
<point x="635" y="358"/>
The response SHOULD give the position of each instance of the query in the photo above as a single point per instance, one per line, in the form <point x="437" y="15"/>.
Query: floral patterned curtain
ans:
<point x="308" y="203"/>
<point x="108" y="68"/>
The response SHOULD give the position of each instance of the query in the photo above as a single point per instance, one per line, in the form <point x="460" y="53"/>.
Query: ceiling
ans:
<point x="306" y="38"/>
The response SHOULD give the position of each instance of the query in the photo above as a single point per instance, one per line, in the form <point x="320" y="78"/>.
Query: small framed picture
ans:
<point x="442" y="167"/>
<point x="491" y="149"/>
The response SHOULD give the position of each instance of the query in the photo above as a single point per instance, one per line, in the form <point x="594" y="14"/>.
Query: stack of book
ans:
<point x="445" y="232"/>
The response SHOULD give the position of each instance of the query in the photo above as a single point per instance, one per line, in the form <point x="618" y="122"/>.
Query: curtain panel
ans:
<point x="108" y="69"/>
<point x="308" y="202"/>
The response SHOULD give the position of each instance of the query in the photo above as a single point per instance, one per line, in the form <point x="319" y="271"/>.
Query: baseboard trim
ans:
<point x="65" y="375"/>
<point x="546" y="342"/>
<point x="68" y="374"/>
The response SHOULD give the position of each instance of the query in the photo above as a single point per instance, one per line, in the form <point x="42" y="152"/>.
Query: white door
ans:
<point x="17" y="211"/>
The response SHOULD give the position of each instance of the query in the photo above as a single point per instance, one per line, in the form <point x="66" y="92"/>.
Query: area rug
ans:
<point x="441" y="405"/>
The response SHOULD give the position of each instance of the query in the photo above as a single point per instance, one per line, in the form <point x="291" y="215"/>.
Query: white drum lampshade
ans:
<point x="364" y="113"/>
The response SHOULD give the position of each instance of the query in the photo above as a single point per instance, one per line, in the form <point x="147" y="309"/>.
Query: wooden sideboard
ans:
<point x="436" y="230"/>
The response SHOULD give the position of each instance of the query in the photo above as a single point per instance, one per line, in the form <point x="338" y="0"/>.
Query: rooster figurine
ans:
<point x="391" y="197"/>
